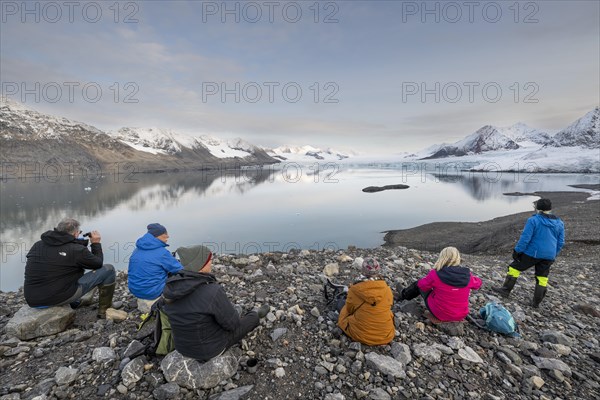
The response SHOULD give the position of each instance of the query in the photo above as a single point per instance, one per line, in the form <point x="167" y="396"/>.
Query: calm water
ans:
<point x="253" y="211"/>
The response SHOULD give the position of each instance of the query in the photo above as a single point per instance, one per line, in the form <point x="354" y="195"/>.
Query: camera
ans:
<point x="87" y="234"/>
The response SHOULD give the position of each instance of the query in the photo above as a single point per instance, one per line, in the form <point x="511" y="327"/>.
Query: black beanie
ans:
<point x="543" y="205"/>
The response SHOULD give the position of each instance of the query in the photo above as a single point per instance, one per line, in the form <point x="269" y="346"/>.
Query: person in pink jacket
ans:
<point x="445" y="289"/>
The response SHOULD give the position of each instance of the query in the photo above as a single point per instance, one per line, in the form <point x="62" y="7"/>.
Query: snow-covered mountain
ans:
<point x="518" y="147"/>
<point x="307" y="154"/>
<point x="167" y="141"/>
<point x="28" y="136"/>
<point x="585" y="132"/>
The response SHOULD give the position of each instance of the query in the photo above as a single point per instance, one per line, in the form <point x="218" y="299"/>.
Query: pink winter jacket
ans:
<point x="450" y="289"/>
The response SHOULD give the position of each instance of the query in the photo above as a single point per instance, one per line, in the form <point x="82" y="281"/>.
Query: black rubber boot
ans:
<point x="538" y="295"/>
<point x="105" y="297"/>
<point x="505" y="289"/>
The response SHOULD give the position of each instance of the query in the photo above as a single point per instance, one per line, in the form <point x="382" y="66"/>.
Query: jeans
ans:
<point x="98" y="277"/>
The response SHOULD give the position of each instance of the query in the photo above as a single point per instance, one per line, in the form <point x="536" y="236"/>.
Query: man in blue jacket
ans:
<point x="150" y="265"/>
<point x="541" y="241"/>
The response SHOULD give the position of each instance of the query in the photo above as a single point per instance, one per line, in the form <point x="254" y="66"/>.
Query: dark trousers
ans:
<point x="542" y="268"/>
<point x="412" y="291"/>
<point x="248" y="323"/>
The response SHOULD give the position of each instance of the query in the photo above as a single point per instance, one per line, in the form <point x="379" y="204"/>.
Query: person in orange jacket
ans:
<point x="367" y="316"/>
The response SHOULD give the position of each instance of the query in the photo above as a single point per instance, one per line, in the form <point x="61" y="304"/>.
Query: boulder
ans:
<point x="193" y="374"/>
<point x="401" y="352"/>
<point x="116" y="315"/>
<point x="102" y="354"/>
<point x="331" y="269"/>
<point x="552" y="364"/>
<point x="166" y="391"/>
<point x="133" y="371"/>
<point x="427" y="352"/>
<point x="30" y="323"/>
<point x="385" y="365"/>
<point x="233" y="394"/>
<point x="467" y="353"/>
<point x="66" y="375"/>
<point x="556" y="337"/>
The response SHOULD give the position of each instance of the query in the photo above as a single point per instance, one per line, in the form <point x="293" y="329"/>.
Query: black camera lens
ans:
<point x="87" y="234"/>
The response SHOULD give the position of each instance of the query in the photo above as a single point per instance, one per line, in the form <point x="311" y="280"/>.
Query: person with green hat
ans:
<point x="203" y="321"/>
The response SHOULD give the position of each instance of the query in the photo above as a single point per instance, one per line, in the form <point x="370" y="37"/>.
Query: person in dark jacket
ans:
<point x="150" y="265"/>
<point x="445" y="289"/>
<point x="203" y="321"/>
<point x="541" y="240"/>
<point x="54" y="273"/>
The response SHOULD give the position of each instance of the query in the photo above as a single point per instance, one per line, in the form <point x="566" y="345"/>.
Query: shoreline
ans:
<point x="498" y="235"/>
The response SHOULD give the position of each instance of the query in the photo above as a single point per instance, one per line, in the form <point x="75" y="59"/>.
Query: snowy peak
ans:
<point x="151" y="140"/>
<point x="167" y="141"/>
<point x="486" y="138"/>
<point x="584" y="132"/>
<point x="307" y="153"/>
<point x="521" y="133"/>
<point x="19" y="122"/>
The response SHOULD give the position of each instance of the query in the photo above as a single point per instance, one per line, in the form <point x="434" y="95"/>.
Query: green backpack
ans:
<point x="162" y="338"/>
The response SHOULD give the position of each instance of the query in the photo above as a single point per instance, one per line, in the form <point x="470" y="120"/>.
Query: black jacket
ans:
<point x="202" y="317"/>
<point x="54" y="265"/>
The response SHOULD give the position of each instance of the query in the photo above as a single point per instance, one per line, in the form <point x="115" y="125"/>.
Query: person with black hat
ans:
<point x="203" y="321"/>
<point x="150" y="265"/>
<point x="542" y="239"/>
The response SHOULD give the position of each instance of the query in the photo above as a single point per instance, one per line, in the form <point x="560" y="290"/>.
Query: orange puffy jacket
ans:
<point x="367" y="316"/>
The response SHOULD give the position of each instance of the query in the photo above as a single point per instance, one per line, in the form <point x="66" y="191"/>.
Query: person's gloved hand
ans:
<point x="516" y="256"/>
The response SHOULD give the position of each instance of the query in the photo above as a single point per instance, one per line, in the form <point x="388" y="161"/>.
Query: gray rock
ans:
<point x="556" y="337"/>
<point x="134" y="349"/>
<point x="166" y="391"/>
<point x="30" y="323"/>
<point x="551" y="364"/>
<point x="385" y="365"/>
<point x="455" y="343"/>
<point x="103" y="354"/>
<point x="379" y="394"/>
<point x="233" y="394"/>
<point x="401" y="352"/>
<point x="452" y="328"/>
<point x="66" y="375"/>
<point x="470" y="355"/>
<point x="41" y="389"/>
<point x="277" y="333"/>
<point x="133" y="371"/>
<point x="513" y="356"/>
<point x="334" y="396"/>
<point x="192" y="374"/>
<point x="427" y="352"/>
<point x="444" y="349"/>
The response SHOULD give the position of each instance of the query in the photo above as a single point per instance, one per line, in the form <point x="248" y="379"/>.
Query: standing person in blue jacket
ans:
<point x="150" y="266"/>
<point x="541" y="241"/>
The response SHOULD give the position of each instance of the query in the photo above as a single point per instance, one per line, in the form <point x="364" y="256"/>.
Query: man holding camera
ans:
<point x="54" y="273"/>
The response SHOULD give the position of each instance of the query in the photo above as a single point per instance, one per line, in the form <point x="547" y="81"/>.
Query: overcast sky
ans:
<point x="370" y="76"/>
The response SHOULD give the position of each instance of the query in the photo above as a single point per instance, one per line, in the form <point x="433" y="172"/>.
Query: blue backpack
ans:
<point x="499" y="319"/>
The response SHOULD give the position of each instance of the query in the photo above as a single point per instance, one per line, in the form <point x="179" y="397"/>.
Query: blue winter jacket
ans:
<point x="149" y="267"/>
<point x="543" y="237"/>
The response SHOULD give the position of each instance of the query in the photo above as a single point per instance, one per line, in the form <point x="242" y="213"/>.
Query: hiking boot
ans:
<point x="105" y="299"/>
<point x="538" y="296"/>
<point x="505" y="289"/>
<point x="263" y="311"/>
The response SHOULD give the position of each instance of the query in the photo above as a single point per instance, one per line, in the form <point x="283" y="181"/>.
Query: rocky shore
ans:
<point x="299" y="355"/>
<point x="499" y="235"/>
